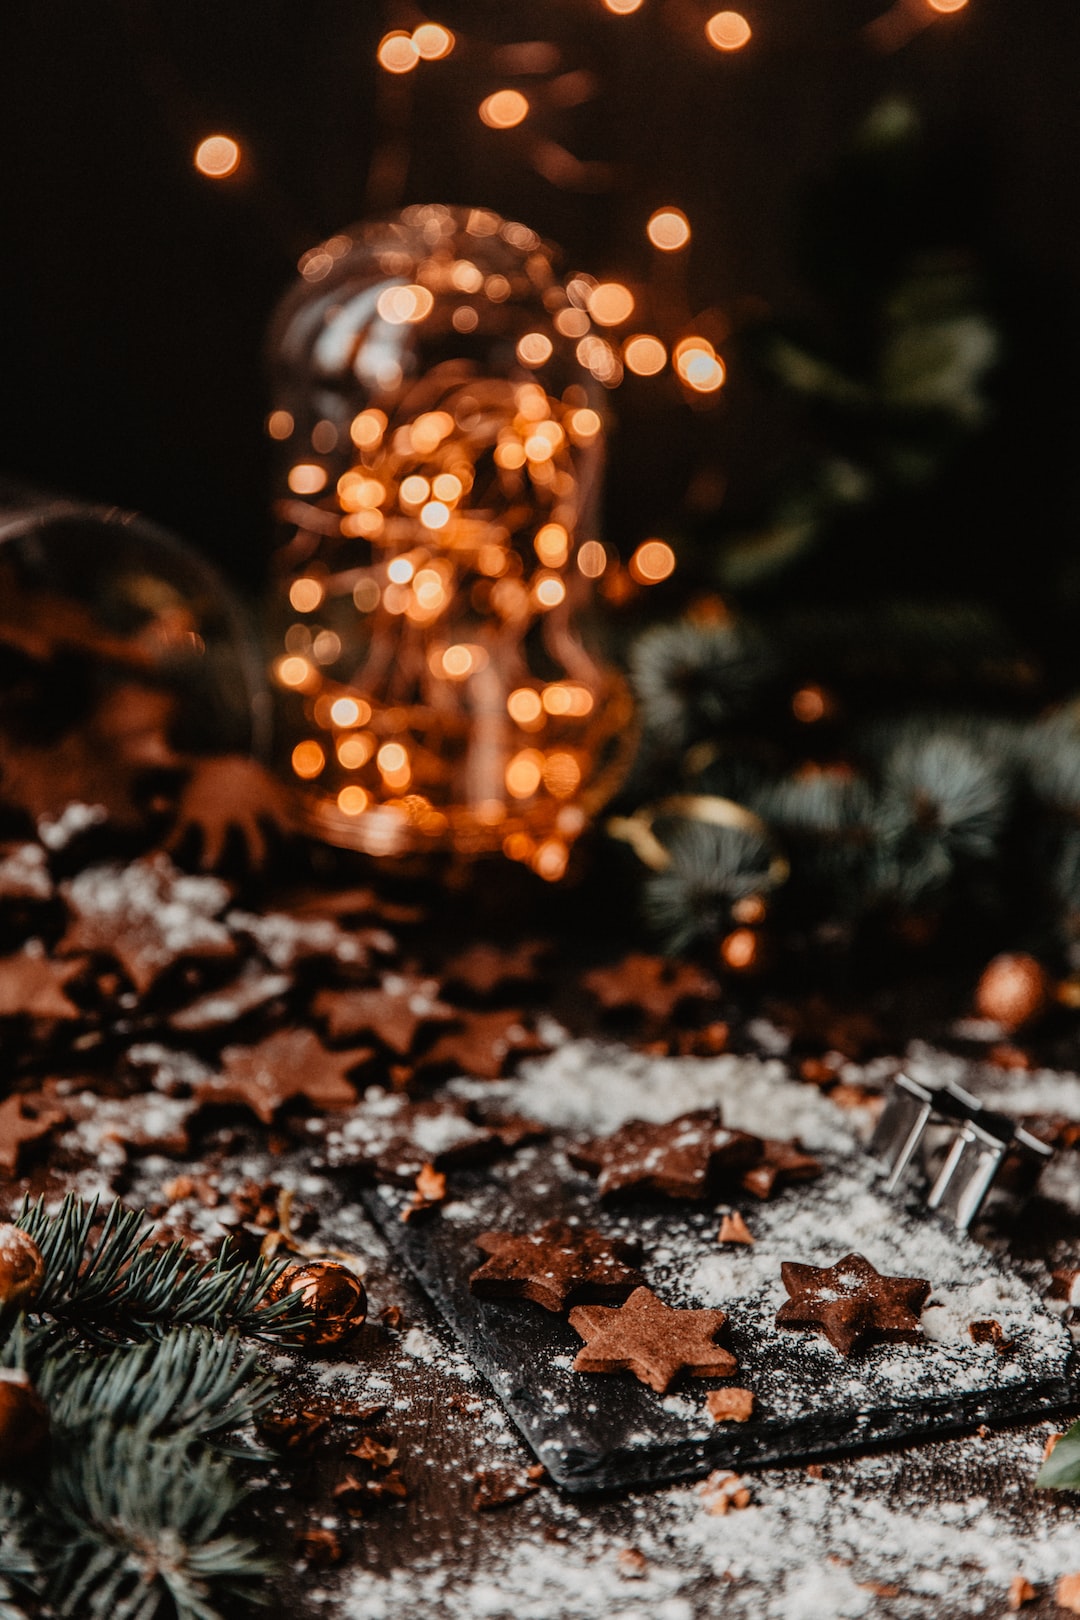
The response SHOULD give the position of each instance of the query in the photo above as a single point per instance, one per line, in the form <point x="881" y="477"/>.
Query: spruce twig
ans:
<point x="120" y="1286"/>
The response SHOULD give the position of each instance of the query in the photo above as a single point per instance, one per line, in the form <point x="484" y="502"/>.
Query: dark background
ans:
<point x="136" y="293"/>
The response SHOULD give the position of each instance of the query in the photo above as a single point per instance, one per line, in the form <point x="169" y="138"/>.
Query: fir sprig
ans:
<point x="118" y="1286"/>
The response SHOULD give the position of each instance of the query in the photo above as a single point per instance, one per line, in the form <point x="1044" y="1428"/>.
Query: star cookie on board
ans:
<point x="553" y="1266"/>
<point x="685" y="1158"/>
<point x="852" y="1304"/>
<point x="652" y="1340"/>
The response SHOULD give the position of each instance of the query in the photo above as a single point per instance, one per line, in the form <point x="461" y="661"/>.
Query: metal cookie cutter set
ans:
<point x="980" y="1141"/>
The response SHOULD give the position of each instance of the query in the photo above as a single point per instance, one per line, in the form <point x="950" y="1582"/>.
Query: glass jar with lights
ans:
<point x="442" y="447"/>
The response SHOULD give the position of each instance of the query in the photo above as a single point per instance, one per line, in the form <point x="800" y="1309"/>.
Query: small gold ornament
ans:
<point x="1014" y="990"/>
<point x="22" y="1269"/>
<point x="24" y="1419"/>
<point x="332" y="1293"/>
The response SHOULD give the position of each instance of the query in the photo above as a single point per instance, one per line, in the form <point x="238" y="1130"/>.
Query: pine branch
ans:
<point x="17" y="1567"/>
<point x="133" y="1522"/>
<point x="1061" y="1470"/>
<point x="120" y="1286"/>
<point x="189" y="1385"/>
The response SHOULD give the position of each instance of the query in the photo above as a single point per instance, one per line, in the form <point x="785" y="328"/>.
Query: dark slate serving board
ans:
<point x="602" y="1431"/>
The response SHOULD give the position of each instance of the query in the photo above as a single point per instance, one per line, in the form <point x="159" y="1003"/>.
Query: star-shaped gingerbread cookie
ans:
<point x="485" y="1045"/>
<point x="686" y="1158"/>
<point x="147" y="915"/>
<point x="33" y="985"/>
<point x="650" y="984"/>
<point x="395" y="1012"/>
<point x="652" y="1340"/>
<point x="291" y="1063"/>
<point x="553" y="1266"/>
<point x="780" y="1163"/>
<point x="852" y="1303"/>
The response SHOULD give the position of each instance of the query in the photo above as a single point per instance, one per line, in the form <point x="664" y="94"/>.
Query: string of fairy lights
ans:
<point x="442" y="547"/>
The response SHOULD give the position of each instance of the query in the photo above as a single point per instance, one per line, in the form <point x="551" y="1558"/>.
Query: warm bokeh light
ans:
<point x="447" y="487"/>
<point x="552" y="545"/>
<point x="465" y="276"/>
<point x="435" y="515"/>
<point x="592" y="559"/>
<point x="653" y="561"/>
<point x="550" y="860"/>
<point x="946" y="6"/>
<point x="524" y="773"/>
<point x="808" y="704"/>
<point x="668" y="229"/>
<point x="279" y="424"/>
<point x="366" y="595"/>
<point x="524" y="706"/>
<point x="355" y="750"/>
<point x="644" y="355"/>
<point x="562" y="775"/>
<point x="400" y="305"/>
<point x="739" y="950"/>
<point x="572" y="323"/>
<point x="307" y="478"/>
<point x="294" y="671"/>
<point x="727" y="30"/>
<point x="353" y="801"/>
<point x="585" y="424"/>
<point x="458" y="661"/>
<point x="345" y="711"/>
<point x="391" y="759"/>
<point x="305" y="594"/>
<point x="308" y="760"/>
<point x="510" y="455"/>
<point x="698" y="365"/>
<point x="623" y="8"/>
<point x="465" y="319"/>
<point x="534" y="348"/>
<point x="432" y="41"/>
<point x="430" y="590"/>
<point x="367" y="429"/>
<point x="398" y="52"/>
<point x="429" y="430"/>
<point x="326" y="647"/>
<point x="549" y="590"/>
<point x="217" y="157"/>
<point x="400" y="570"/>
<point x="611" y="303"/>
<point x="414" y="490"/>
<point x="504" y="109"/>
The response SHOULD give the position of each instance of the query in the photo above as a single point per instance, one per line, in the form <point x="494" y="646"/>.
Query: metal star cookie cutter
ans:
<point x="981" y="1139"/>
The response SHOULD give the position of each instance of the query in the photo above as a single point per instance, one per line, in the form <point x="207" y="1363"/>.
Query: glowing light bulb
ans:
<point x="432" y="41"/>
<point x="727" y="31"/>
<point x="504" y="109"/>
<point x="668" y="229"/>
<point x="644" y="355"/>
<point x="306" y="478"/>
<point x="592" y="559"/>
<point x="534" y="348"/>
<point x="217" y="157"/>
<point x="398" y="52"/>
<point x="653" y="561"/>
<point x="611" y="303"/>
<point x="308" y="760"/>
<point x="306" y="594"/>
<point x="400" y="306"/>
